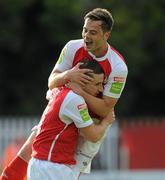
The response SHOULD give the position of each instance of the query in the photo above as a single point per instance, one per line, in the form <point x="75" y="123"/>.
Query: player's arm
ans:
<point x="74" y="109"/>
<point x="58" y="78"/>
<point x="112" y="92"/>
<point x="95" y="132"/>
<point x="64" y="72"/>
<point x="100" y="106"/>
<point x="26" y="149"/>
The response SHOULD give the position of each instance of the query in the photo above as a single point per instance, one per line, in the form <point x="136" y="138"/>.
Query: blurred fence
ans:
<point x="12" y="130"/>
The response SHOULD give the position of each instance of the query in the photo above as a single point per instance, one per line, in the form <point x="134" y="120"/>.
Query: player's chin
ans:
<point x="88" y="47"/>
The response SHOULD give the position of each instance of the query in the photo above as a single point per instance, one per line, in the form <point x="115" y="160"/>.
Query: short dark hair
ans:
<point x="103" y="15"/>
<point x="93" y="65"/>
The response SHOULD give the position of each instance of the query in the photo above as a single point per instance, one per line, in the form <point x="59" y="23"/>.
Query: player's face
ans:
<point x="96" y="86"/>
<point x="95" y="40"/>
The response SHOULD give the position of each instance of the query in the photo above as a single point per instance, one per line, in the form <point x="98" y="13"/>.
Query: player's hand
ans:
<point x="110" y="118"/>
<point x="51" y="94"/>
<point x="78" y="75"/>
<point x="48" y="94"/>
<point x="75" y="87"/>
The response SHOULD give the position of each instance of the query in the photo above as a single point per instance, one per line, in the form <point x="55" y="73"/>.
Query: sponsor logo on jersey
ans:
<point x="119" y="79"/>
<point x="83" y="112"/>
<point x="116" y="87"/>
<point x="82" y="106"/>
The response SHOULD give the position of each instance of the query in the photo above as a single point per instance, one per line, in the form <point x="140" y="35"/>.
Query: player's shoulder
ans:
<point x="73" y="98"/>
<point x="115" y="52"/>
<point x="75" y="43"/>
<point x="118" y="60"/>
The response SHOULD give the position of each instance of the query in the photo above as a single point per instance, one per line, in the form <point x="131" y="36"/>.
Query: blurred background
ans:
<point x="32" y="34"/>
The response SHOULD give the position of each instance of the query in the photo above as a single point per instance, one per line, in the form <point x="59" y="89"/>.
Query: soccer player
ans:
<point x="65" y="117"/>
<point x="94" y="44"/>
<point x="96" y="32"/>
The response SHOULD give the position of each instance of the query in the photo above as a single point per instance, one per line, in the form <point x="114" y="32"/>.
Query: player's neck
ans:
<point x="101" y="51"/>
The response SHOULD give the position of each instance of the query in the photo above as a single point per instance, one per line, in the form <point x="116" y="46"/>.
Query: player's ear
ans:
<point x="105" y="79"/>
<point x="107" y="35"/>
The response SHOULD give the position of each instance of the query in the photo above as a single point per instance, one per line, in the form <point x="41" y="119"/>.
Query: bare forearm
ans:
<point x="100" y="129"/>
<point x="57" y="79"/>
<point x="99" y="106"/>
<point x="95" y="132"/>
<point x="26" y="150"/>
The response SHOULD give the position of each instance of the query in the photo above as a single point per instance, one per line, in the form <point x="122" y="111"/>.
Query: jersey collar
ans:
<point x="100" y="58"/>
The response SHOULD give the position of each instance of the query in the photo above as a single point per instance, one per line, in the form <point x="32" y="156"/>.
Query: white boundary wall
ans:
<point x="12" y="128"/>
<point x="125" y="175"/>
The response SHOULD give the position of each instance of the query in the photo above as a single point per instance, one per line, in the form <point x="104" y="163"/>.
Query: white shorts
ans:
<point x="40" y="169"/>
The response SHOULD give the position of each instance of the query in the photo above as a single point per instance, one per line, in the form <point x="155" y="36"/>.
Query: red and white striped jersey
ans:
<point x="112" y="62"/>
<point x="57" y="134"/>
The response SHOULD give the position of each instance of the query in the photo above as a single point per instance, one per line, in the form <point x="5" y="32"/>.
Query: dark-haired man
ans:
<point x="64" y="119"/>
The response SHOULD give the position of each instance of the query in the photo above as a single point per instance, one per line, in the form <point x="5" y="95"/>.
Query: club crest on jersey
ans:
<point x="59" y="61"/>
<point x="85" y="163"/>
<point x="83" y="112"/>
<point x="117" y="85"/>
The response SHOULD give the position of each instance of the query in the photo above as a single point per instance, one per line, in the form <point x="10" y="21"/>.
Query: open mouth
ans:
<point x="88" y="44"/>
